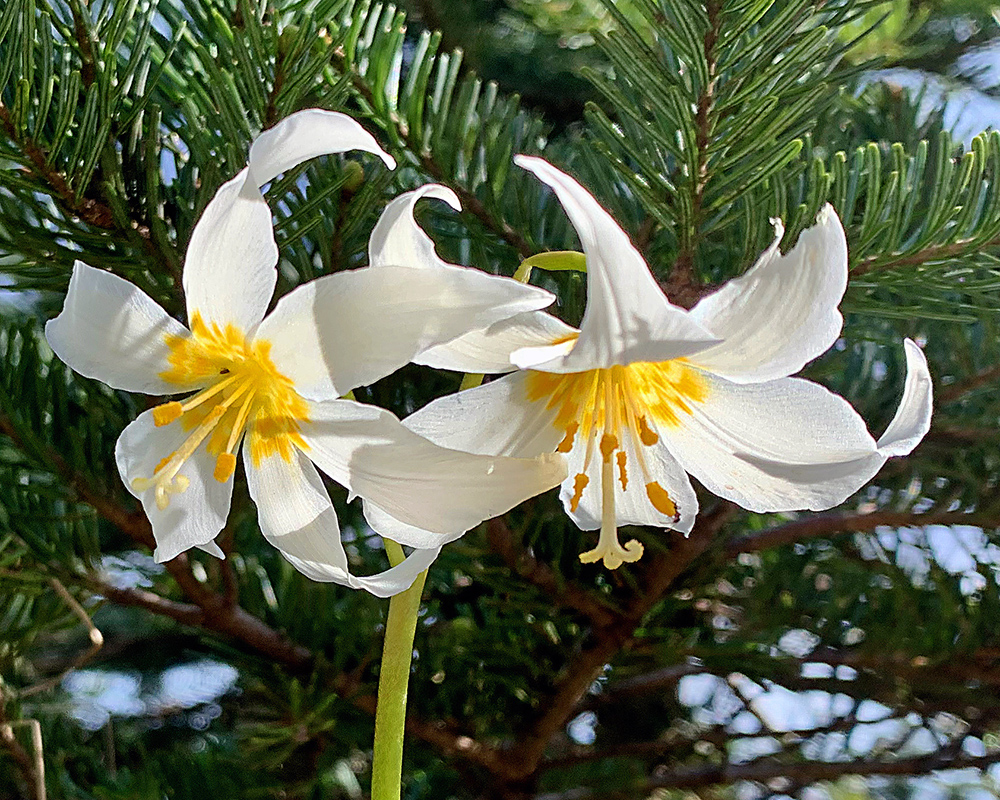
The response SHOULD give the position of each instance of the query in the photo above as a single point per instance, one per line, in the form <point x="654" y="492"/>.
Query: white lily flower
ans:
<point x="274" y="383"/>
<point x="646" y="393"/>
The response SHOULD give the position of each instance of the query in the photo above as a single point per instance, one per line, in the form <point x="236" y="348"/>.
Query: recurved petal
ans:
<point x="195" y="515"/>
<point x="229" y="273"/>
<point x="769" y="446"/>
<point x="398" y="240"/>
<point x="296" y="516"/>
<point x="909" y="425"/>
<point x="307" y="134"/>
<point x="419" y="483"/>
<point x="111" y="330"/>
<point x="783" y="312"/>
<point x="628" y="318"/>
<point x="490" y="351"/>
<point x="913" y="417"/>
<point x="351" y="328"/>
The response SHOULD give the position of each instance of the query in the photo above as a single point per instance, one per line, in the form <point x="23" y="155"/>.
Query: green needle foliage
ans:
<point x="534" y="675"/>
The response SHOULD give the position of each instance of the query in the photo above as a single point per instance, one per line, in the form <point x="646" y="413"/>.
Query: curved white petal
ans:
<point x="229" y="272"/>
<point x="632" y="504"/>
<point x="791" y="424"/>
<point x="496" y="418"/>
<point x="490" y="350"/>
<point x="909" y="425"/>
<point x="913" y="417"/>
<point x="193" y="517"/>
<point x="352" y="328"/>
<point x="296" y="516"/>
<point x="111" y="330"/>
<point x="628" y="318"/>
<point x="307" y="134"/>
<point x="783" y="312"/>
<point x="398" y="240"/>
<point x="369" y="451"/>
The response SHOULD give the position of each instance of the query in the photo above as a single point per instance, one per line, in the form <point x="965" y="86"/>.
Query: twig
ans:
<point x="830" y="524"/>
<point x="32" y="767"/>
<point x="93" y="634"/>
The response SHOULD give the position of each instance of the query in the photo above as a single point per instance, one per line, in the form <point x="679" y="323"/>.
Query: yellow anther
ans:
<point x="647" y="435"/>
<point x="622" y="474"/>
<point x="225" y="466"/>
<point x="661" y="500"/>
<point x="579" y="484"/>
<point x="167" y="413"/>
<point x="567" y="443"/>
<point x="609" y="443"/>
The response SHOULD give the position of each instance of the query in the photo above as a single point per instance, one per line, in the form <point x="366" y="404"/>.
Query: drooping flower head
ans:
<point x="273" y="383"/>
<point x="646" y="393"/>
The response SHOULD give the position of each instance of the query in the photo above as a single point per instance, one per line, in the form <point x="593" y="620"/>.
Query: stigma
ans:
<point x="241" y="392"/>
<point x="614" y="415"/>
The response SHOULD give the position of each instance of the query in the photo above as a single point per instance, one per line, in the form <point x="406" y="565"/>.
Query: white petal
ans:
<point x="913" y="417"/>
<point x="628" y="318"/>
<point x="794" y="426"/>
<point x="783" y="312"/>
<point x="229" y="273"/>
<point x="909" y="425"/>
<point x="352" y="328"/>
<point x="296" y="516"/>
<point x="440" y="490"/>
<point x="489" y="351"/>
<point x="195" y="516"/>
<point x="307" y="134"/>
<point x="398" y="240"/>
<point x="496" y="418"/>
<point x="111" y="330"/>
<point x="632" y="504"/>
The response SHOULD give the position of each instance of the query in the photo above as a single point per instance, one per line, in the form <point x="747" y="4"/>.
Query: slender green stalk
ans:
<point x="394" y="676"/>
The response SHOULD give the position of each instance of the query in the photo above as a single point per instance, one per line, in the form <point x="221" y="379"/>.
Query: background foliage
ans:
<point x="764" y="656"/>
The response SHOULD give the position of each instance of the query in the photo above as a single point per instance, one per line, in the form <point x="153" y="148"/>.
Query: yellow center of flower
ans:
<point x="241" y="389"/>
<point x="604" y="409"/>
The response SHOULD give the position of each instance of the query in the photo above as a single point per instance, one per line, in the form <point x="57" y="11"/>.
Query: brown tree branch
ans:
<point x="32" y="769"/>
<point x="831" y="524"/>
<point x="802" y="773"/>
<point x="959" y="389"/>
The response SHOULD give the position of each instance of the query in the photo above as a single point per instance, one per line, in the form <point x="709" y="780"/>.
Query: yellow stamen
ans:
<point x="225" y="466"/>
<point x="567" y="443"/>
<point x="579" y="484"/>
<point x="609" y="549"/>
<point x="661" y="500"/>
<point x="604" y="406"/>
<point x="167" y="413"/>
<point x="243" y="390"/>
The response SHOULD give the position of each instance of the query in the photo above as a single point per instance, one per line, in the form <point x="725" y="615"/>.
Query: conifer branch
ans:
<point x="831" y="524"/>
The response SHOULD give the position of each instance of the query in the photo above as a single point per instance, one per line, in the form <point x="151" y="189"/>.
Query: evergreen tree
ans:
<point x="535" y="675"/>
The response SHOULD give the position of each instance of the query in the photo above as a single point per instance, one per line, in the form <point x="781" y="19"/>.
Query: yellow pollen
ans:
<point x="579" y="484"/>
<point x="608" y="408"/>
<point x="241" y="391"/>
<point x="167" y="413"/>
<point x="661" y="500"/>
<point x="225" y="466"/>
<point x="646" y="435"/>
<point x="609" y="443"/>
<point x="567" y="443"/>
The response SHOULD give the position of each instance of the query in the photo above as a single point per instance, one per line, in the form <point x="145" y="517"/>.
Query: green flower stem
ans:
<point x="394" y="676"/>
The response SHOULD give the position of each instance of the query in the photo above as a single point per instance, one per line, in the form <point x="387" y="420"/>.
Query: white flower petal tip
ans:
<point x="782" y="313"/>
<point x="383" y="584"/>
<point x="112" y="331"/>
<point x="307" y="134"/>
<point x="627" y="318"/>
<point x="913" y="417"/>
<point x="398" y="240"/>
